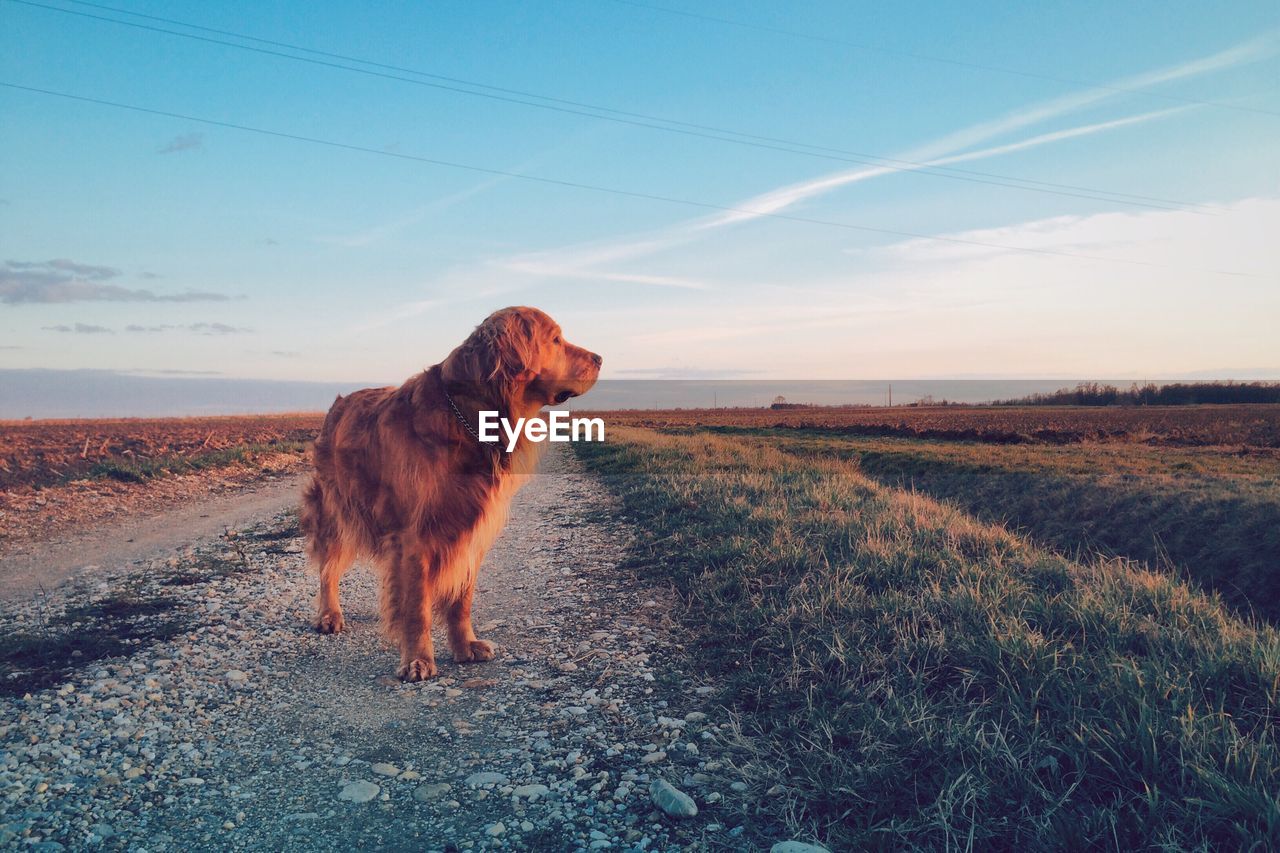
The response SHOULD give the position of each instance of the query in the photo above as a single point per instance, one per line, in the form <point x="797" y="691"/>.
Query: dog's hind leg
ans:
<point x="329" y="552"/>
<point x="333" y="565"/>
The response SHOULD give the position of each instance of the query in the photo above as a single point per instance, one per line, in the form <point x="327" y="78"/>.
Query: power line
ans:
<point x="630" y="118"/>
<point x="960" y="63"/>
<point x="602" y="189"/>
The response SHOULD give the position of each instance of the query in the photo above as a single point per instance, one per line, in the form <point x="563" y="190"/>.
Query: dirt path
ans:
<point x="249" y="731"/>
<point x="27" y="568"/>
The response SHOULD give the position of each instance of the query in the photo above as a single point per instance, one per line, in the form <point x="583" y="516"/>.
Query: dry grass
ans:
<point x="1207" y="515"/>
<point x="916" y="678"/>
<point x="140" y="470"/>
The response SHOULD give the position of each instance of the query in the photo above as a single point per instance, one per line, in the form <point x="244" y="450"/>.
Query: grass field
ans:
<point x="1204" y="514"/>
<point x="1256" y="426"/>
<point x="913" y="676"/>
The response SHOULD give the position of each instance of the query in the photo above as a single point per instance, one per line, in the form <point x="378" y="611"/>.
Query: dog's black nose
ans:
<point x="597" y="360"/>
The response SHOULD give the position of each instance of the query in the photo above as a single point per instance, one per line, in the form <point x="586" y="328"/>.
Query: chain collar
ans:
<point x="461" y="419"/>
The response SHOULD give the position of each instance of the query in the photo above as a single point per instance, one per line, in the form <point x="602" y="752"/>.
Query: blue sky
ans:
<point x="137" y="241"/>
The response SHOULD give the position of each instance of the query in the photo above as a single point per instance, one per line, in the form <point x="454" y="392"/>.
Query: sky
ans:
<point x="692" y="188"/>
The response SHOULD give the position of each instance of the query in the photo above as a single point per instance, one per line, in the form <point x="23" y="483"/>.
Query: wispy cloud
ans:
<point x="401" y="312"/>
<point x="945" y="150"/>
<point x="61" y="280"/>
<point x="530" y="266"/>
<point x="198" y="328"/>
<point x="1184" y="241"/>
<point x="776" y="201"/>
<point x="926" y="307"/>
<point x="217" y="329"/>
<point x="592" y="262"/>
<point x="1252" y="50"/>
<point x="378" y="233"/>
<point x="761" y="324"/>
<point x="1058" y="136"/>
<point x="64" y="267"/>
<point x="80" y="329"/>
<point x="183" y="142"/>
<point x="935" y="153"/>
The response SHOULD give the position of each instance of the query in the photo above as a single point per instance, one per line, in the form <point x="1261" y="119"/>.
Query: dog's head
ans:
<point x="518" y="357"/>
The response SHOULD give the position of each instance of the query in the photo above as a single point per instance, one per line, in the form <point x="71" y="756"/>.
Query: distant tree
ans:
<point x="780" y="402"/>
<point x="1151" y="394"/>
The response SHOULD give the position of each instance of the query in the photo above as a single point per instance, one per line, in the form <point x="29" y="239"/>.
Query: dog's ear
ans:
<point x="515" y="348"/>
<point x="501" y="357"/>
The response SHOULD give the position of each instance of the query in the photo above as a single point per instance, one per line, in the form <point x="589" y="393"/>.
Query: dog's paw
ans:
<point x="474" y="651"/>
<point x="330" y="622"/>
<point x="417" y="670"/>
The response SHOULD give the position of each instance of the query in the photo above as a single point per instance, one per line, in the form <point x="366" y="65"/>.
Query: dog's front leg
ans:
<point x="410" y="611"/>
<point x="462" y="637"/>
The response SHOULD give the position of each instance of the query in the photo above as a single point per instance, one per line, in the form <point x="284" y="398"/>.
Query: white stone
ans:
<point x="672" y="800"/>
<point x="359" y="792"/>
<point x="487" y="777"/>
<point x="530" y="791"/>
<point x="433" y="791"/>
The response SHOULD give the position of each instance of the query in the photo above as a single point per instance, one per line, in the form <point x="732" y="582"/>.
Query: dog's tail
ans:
<point x="315" y="523"/>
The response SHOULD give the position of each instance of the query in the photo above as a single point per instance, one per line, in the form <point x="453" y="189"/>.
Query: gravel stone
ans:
<point x="433" y="791"/>
<point x="488" y="777"/>
<point x="671" y="799"/>
<point x="530" y="791"/>
<point x="359" y="792"/>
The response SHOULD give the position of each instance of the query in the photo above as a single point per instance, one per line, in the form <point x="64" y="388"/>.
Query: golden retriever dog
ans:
<point x="402" y="478"/>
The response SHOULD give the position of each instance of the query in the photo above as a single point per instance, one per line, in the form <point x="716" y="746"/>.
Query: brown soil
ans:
<point x="51" y="452"/>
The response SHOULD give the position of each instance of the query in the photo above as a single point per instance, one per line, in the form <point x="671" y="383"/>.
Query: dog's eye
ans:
<point x="557" y="340"/>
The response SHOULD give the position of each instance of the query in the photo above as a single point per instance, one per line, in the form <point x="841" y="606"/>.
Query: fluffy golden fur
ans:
<point x="400" y="480"/>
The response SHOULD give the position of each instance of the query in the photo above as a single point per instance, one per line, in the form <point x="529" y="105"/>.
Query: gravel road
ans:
<point x="240" y="728"/>
<point x="28" y="567"/>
